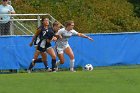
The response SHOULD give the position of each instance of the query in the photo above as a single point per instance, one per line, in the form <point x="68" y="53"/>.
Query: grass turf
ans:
<point x="97" y="81"/>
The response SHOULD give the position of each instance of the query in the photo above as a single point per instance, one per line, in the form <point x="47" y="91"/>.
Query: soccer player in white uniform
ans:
<point x="62" y="44"/>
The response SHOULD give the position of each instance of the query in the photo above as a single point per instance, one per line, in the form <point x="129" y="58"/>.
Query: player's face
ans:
<point x="46" y="22"/>
<point x="71" y="26"/>
<point x="56" y="28"/>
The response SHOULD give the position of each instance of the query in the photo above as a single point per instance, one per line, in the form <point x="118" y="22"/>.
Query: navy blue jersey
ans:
<point x="50" y="33"/>
<point x="44" y="35"/>
<point x="43" y="32"/>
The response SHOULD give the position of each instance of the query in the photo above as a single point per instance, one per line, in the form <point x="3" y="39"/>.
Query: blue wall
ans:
<point x="106" y="50"/>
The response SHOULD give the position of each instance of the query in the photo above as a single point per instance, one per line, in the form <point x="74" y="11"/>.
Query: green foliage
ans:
<point x="89" y="15"/>
<point x="136" y="4"/>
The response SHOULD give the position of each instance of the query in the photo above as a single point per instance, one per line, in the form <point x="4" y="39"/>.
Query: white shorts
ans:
<point x="60" y="50"/>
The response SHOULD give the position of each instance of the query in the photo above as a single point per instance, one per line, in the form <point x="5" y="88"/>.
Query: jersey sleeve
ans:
<point x="59" y="32"/>
<point x="74" y="32"/>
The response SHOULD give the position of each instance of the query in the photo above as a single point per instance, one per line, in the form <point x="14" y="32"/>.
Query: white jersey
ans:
<point x="63" y="42"/>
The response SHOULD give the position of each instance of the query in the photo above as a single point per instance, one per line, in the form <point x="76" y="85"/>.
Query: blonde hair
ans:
<point x="68" y="23"/>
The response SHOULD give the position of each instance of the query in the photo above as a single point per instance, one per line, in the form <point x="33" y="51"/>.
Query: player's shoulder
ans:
<point x="62" y="29"/>
<point x="50" y="29"/>
<point x="73" y="30"/>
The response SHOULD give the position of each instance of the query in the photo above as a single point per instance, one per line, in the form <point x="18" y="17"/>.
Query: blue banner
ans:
<point x="106" y="50"/>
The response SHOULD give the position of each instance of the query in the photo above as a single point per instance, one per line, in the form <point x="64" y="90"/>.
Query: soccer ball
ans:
<point x="88" y="67"/>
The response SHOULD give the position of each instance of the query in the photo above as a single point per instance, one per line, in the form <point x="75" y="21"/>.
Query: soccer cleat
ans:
<point x="72" y="70"/>
<point x="48" y="69"/>
<point x="28" y="71"/>
<point x="54" y="71"/>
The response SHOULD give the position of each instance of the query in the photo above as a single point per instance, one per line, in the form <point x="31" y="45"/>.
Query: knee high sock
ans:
<point x="72" y="64"/>
<point x="53" y="64"/>
<point x="32" y="64"/>
<point x="46" y="64"/>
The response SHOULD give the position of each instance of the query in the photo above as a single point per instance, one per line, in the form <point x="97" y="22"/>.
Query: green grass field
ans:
<point x="106" y="80"/>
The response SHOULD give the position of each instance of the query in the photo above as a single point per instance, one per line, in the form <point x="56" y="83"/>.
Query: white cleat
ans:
<point x="48" y="70"/>
<point x="54" y="71"/>
<point x="72" y="70"/>
<point x="28" y="71"/>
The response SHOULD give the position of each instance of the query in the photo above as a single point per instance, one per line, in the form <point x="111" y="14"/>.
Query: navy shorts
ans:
<point x="48" y="45"/>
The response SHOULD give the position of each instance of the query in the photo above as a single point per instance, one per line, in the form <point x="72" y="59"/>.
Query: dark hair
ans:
<point x="43" y="19"/>
<point x="55" y="23"/>
<point x="68" y="23"/>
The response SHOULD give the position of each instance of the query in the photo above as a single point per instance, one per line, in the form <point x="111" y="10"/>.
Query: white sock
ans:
<point x="58" y="63"/>
<point x="72" y="64"/>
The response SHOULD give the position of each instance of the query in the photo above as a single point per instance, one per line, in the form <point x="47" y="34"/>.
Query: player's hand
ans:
<point x="48" y="40"/>
<point x="31" y="44"/>
<point x="54" y="38"/>
<point x="90" y="38"/>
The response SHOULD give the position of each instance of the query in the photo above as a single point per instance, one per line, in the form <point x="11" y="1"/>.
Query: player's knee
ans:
<point x="53" y="56"/>
<point x="72" y="60"/>
<point x="72" y="57"/>
<point x="43" y="59"/>
<point x="61" y="61"/>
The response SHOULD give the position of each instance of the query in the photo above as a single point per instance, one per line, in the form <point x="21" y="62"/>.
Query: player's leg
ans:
<point x="44" y="59"/>
<point x="36" y="59"/>
<point x="51" y="52"/>
<point x="60" y="61"/>
<point x="70" y="53"/>
<point x="36" y="54"/>
<point x="60" y="55"/>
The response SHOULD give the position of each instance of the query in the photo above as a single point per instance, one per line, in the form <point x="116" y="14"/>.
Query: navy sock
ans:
<point x="31" y="66"/>
<point x="46" y="64"/>
<point x="53" y="64"/>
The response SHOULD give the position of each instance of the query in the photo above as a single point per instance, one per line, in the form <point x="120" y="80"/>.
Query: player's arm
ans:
<point x="35" y="35"/>
<point x="84" y="36"/>
<point x="59" y="34"/>
<point x="54" y="38"/>
<point x="50" y="37"/>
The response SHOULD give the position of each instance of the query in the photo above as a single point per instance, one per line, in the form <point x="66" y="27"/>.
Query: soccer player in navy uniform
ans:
<point x="42" y="39"/>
